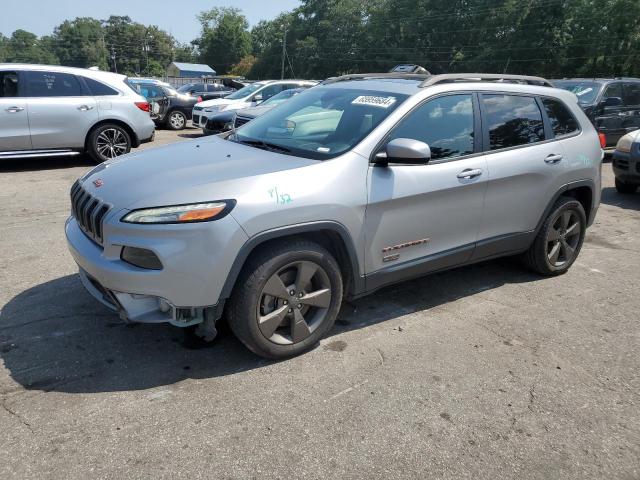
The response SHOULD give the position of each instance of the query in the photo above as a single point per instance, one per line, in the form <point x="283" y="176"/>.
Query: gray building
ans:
<point x="189" y="70"/>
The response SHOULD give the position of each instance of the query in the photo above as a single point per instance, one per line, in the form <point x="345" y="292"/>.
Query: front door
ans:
<point x="14" y="120"/>
<point x="61" y="112"/>
<point x="421" y="218"/>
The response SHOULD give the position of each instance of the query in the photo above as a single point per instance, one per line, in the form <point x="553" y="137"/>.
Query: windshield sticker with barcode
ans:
<point x="382" y="102"/>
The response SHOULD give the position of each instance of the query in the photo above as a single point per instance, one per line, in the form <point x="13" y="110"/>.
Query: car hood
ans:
<point x="193" y="171"/>
<point x="217" y="102"/>
<point x="254" y="112"/>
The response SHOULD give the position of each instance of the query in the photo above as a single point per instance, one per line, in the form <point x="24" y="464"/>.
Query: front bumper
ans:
<point x="626" y="166"/>
<point x="195" y="259"/>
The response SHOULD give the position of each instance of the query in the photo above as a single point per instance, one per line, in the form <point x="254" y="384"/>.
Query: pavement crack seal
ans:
<point x="15" y="415"/>
<point x="532" y="397"/>
<point x="346" y="390"/>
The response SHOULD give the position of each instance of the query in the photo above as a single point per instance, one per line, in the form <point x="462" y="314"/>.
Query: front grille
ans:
<point x="88" y="211"/>
<point x="241" y="121"/>
<point x="197" y="109"/>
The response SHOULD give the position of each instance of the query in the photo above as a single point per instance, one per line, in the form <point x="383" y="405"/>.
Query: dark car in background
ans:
<point x="626" y="163"/>
<point x="206" y="91"/>
<point x="169" y="108"/>
<point x="612" y="104"/>
<point x="229" y="119"/>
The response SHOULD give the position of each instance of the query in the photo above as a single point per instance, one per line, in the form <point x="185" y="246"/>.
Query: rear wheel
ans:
<point x="108" y="141"/>
<point x="286" y="299"/>
<point x="622" y="187"/>
<point x="177" y="120"/>
<point x="560" y="239"/>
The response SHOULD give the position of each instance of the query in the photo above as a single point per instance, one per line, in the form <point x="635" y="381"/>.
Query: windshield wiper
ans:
<point x="264" y="145"/>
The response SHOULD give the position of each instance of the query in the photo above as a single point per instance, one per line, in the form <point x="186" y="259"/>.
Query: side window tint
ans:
<point x="631" y="94"/>
<point x="512" y="120"/>
<point x="562" y="121"/>
<point x="53" y="84"/>
<point x="445" y="124"/>
<point x="613" y="90"/>
<point x="8" y="84"/>
<point x="98" y="88"/>
<point x="270" y="91"/>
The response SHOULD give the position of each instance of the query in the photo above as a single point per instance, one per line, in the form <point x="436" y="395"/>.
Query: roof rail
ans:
<point x="484" y="77"/>
<point x="373" y="76"/>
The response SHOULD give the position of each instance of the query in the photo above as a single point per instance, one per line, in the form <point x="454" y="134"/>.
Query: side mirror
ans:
<point x="612" y="102"/>
<point x="257" y="98"/>
<point x="404" y="150"/>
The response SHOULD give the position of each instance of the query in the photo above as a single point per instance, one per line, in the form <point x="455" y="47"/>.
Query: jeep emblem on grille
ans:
<point x="98" y="182"/>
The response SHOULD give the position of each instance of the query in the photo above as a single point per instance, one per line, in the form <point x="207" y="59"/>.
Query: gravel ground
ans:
<point x="481" y="372"/>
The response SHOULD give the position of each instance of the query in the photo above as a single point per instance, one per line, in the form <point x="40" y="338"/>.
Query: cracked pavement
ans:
<point x="482" y="372"/>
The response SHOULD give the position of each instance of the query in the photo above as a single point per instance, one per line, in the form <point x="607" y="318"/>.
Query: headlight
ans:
<point x="626" y="142"/>
<point x="191" y="213"/>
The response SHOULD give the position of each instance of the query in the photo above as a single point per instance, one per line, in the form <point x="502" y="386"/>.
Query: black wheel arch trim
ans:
<point x="357" y="287"/>
<point x="564" y="189"/>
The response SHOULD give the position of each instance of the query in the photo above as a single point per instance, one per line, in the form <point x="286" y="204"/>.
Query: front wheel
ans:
<point x="560" y="239"/>
<point x="286" y="299"/>
<point x="177" y="120"/>
<point x="108" y="141"/>
<point x="625" y="188"/>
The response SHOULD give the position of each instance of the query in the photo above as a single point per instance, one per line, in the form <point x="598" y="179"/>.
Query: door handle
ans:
<point x="470" y="173"/>
<point x="15" y="109"/>
<point x="553" y="159"/>
<point x="84" y="108"/>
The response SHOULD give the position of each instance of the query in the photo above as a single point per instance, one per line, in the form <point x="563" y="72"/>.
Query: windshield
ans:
<point x="320" y="123"/>
<point x="170" y="91"/>
<point x="586" y="91"/>
<point x="245" y="91"/>
<point x="281" y="97"/>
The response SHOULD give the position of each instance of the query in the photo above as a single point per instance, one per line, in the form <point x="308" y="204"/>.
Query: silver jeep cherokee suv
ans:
<point x="359" y="183"/>
<point x="53" y="111"/>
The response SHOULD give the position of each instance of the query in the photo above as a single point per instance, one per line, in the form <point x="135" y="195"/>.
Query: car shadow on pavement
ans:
<point x="44" y="163"/>
<point x="610" y="196"/>
<point x="55" y="337"/>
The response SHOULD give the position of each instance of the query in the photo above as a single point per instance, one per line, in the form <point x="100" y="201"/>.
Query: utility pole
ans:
<point x="284" y="51"/>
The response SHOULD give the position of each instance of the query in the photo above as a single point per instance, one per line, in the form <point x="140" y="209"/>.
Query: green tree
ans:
<point x="3" y="48"/>
<point x="81" y="43"/>
<point x="25" y="47"/>
<point x="224" y="39"/>
<point x="185" y="52"/>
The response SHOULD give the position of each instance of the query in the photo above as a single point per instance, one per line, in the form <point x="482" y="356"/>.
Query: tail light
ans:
<point x="199" y="99"/>
<point x="144" y="106"/>
<point x="603" y="140"/>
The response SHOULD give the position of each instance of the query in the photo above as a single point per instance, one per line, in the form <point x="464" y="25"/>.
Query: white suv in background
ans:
<point x="52" y="111"/>
<point x="249" y="96"/>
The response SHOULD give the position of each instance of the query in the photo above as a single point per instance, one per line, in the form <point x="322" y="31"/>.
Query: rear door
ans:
<point x="525" y="169"/>
<point x="14" y="121"/>
<point x="61" y="110"/>
<point x="631" y="106"/>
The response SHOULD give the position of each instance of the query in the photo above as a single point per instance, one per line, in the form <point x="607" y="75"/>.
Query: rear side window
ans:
<point x="8" y="84"/>
<point x="444" y="123"/>
<point x="631" y="94"/>
<point x="98" y="88"/>
<point x="562" y="121"/>
<point x="53" y="84"/>
<point x="512" y="120"/>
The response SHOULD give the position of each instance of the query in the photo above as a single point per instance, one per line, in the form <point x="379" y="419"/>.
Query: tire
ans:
<point x="267" y="317"/>
<point x="108" y="141"/>
<point x="560" y="239"/>
<point x="625" y="188"/>
<point x="176" y="120"/>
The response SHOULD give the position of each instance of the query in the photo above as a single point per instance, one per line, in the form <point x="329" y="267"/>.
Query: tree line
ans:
<point x="552" y="38"/>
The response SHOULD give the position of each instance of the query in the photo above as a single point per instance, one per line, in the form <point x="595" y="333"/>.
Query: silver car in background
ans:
<point x="52" y="111"/>
<point x="362" y="182"/>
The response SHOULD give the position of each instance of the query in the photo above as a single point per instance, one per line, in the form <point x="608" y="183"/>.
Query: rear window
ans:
<point x="562" y="120"/>
<point x="53" y="84"/>
<point x="512" y="120"/>
<point x="98" y="88"/>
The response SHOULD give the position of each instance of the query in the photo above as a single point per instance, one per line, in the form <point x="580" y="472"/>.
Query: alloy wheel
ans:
<point x="111" y="143"/>
<point x="294" y="302"/>
<point x="177" y="121"/>
<point x="563" y="238"/>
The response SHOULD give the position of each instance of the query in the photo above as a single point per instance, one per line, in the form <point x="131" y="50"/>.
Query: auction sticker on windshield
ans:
<point x="382" y="102"/>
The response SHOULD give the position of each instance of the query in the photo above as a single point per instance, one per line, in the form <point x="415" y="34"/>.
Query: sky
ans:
<point x="178" y="17"/>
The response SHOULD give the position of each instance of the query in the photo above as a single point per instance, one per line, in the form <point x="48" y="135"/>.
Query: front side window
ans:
<point x="8" y="84"/>
<point x="444" y="123"/>
<point x="53" y="84"/>
<point x="613" y="90"/>
<point x="562" y="121"/>
<point x="512" y="120"/>
<point x="270" y="91"/>
<point x="245" y="91"/>
<point x="320" y="123"/>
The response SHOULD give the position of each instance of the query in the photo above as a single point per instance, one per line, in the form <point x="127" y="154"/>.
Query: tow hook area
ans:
<point x="207" y="329"/>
